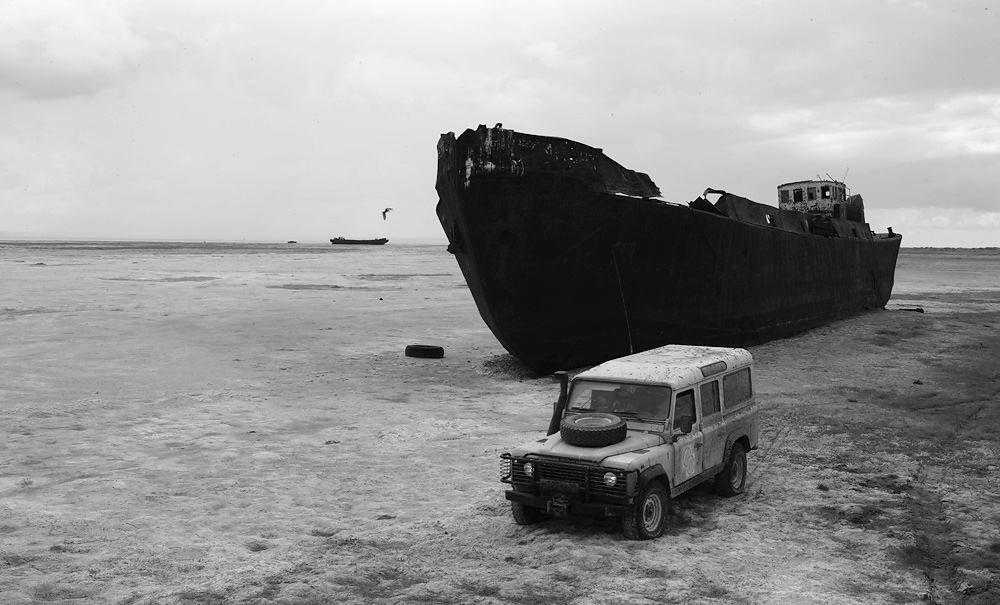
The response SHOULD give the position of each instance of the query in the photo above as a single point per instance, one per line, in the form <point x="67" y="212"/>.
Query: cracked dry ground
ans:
<point x="286" y="473"/>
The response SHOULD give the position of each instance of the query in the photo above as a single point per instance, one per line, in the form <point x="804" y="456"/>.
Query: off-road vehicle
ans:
<point x="631" y="433"/>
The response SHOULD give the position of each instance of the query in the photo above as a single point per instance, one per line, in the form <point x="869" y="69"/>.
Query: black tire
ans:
<point x="647" y="519"/>
<point x="526" y="515"/>
<point x="592" y="430"/>
<point x="733" y="478"/>
<point x="425" y="351"/>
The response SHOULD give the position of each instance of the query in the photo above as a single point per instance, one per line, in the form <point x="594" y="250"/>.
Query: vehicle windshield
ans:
<point x="644" y="401"/>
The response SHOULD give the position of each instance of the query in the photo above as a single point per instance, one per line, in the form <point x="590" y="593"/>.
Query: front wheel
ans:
<point x="648" y="517"/>
<point x="526" y="515"/>
<point x="733" y="477"/>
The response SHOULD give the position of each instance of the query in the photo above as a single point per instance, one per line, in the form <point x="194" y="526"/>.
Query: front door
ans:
<point x="688" y="439"/>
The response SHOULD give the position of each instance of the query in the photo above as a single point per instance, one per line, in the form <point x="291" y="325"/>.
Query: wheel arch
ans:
<point x="742" y="440"/>
<point x="654" y="473"/>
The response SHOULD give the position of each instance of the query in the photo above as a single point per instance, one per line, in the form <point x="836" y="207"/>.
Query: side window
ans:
<point x="736" y="388"/>
<point x="684" y="416"/>
<point x="710" y="399"/>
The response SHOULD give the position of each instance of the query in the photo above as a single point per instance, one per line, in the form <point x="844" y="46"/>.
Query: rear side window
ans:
<point x="736" y="388"/>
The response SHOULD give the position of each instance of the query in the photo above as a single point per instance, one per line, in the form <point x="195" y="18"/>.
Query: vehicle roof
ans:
<point x="677" y="366"/>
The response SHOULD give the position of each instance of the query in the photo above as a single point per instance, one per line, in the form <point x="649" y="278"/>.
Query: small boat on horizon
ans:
<point x="359" y="242"/>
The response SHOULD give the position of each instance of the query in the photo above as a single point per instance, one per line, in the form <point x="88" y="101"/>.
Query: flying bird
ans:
<point x="385" y="212"/>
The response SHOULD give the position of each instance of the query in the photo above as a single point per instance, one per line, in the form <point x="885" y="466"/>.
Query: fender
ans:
<point x="729" y="446"/>
<point x="651" y="473"/>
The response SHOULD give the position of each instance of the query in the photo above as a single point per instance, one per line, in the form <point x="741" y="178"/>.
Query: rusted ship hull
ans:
<point x="571" y="262"/>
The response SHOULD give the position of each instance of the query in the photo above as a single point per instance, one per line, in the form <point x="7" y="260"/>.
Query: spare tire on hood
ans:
<point x="592" y="430"/>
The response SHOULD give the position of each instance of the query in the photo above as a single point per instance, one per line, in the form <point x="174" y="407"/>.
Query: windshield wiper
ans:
<point x="624" y="413"/>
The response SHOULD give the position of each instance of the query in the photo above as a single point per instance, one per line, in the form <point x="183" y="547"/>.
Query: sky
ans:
<point x="303" y="120"/>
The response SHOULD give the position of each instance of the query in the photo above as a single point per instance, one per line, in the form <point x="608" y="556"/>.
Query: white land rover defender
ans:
<point x="631" y="433"/>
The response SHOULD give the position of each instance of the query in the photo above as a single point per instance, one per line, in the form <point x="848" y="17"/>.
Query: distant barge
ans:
<point x="363" y="242"/>
<point x="572" y="262"/>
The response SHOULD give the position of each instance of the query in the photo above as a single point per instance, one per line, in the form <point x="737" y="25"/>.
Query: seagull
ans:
<point x="385" y="212"/>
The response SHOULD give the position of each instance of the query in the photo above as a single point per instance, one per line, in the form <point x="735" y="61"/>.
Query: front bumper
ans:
<point x="561" y="504"/>
<point x="568" y="487"/>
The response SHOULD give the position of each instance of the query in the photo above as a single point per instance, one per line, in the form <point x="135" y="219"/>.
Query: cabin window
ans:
<point x="736" y="388"/>
<point x="713" y="368"/>
<point x="811" y="193"/>
<point x="825" y="192"/>
<point x="710" y="399"/>
<point x="797" y="195"/>
<point x="684" y="416"/>
<point x="649" y="402"/>
<point x="783" y="196"/>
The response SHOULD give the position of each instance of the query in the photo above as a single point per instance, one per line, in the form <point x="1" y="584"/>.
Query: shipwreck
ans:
<point x="573" y="259"/>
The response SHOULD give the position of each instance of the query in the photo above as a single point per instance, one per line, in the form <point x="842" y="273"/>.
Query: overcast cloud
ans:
<point x="230" y="120"/>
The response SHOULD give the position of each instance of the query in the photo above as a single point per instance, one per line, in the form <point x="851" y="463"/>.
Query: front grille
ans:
<point x="587" y="478"/>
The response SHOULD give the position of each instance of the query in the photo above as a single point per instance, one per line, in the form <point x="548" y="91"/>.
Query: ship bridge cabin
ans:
<point x="826" y="198"/>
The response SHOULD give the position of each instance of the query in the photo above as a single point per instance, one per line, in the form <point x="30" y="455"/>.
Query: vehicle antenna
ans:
<point x="844" y="180"/>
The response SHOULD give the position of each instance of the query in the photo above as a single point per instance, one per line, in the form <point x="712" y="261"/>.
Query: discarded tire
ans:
<point x="426" y="351"/>
<point x="592" y="430"/>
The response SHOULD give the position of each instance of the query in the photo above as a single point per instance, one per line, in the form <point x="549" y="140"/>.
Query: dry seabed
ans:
<point x="196" y="427"/>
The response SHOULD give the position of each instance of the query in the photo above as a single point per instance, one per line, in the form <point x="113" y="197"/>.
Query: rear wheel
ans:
<point x="526" y="515"/>
<point x="648" y="517"/>
<point x="733" y="477"/>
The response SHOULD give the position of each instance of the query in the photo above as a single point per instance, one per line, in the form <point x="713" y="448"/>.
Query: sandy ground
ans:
<point x="240" y="425"/>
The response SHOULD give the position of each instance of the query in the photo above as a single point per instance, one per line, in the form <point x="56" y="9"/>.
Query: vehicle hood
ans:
<point x="556" y="447"/>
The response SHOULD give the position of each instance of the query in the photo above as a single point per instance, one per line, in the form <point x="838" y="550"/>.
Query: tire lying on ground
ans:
<point x="592" y="430"/>
<point x="426" y="351"/>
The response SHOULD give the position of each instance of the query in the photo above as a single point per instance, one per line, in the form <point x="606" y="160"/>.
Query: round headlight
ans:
<point x="610" y="479"/>
<point x="529" y="468"/>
